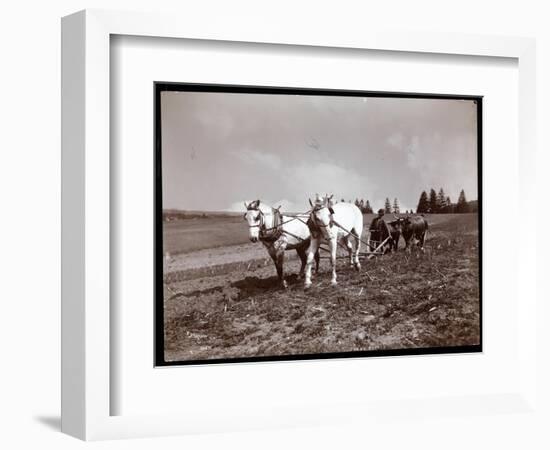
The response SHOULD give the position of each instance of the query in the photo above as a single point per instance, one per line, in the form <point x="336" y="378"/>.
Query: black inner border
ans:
<point x="158" y="88"/>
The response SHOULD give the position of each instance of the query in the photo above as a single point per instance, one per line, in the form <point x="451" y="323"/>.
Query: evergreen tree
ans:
<point x="395" y="206"/>
<point x="368" y="209"/>
<point x="441" y="201"/>
<point x="422" y="203"/>
<point x="387" y="206"/>
<point x="432" y="207"/>
<point x="449" y="205"/>
<point x="462" y="204"/>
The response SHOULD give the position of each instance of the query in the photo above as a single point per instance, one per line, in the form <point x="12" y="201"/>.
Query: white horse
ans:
<point x="279" y="233"/>
<point x="333" y="223"/>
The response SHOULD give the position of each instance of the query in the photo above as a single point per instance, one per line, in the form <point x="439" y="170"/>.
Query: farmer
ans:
<point x="378" y="230"/>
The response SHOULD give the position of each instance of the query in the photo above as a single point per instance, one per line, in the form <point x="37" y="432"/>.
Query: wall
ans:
<point x="30" y="187"/>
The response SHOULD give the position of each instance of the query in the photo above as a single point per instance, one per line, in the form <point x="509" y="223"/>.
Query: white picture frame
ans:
<point x="86" y="245"/>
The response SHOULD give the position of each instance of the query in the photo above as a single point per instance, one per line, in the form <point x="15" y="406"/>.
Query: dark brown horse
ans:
<point x="380" y="230"/>
<point x="414" y="228"/>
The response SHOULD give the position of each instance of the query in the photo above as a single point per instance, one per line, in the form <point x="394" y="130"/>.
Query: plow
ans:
<point x="374" y="246"/>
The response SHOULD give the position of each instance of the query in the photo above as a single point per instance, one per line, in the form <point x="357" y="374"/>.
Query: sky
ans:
<point x="221" y="149"/>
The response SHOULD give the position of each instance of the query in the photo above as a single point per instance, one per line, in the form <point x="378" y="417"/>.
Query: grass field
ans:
<point x="222" y="298"/>
<point x="185" y="236"/>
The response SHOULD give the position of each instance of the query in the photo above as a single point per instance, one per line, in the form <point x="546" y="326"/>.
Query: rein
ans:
<point x="331" y="224"/>
<point x="268" y="234"/>
<point x="314" y="221"/>
<point x="274" y="232"/>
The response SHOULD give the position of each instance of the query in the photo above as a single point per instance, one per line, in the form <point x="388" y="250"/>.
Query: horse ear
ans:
<point x="245" y="205"/>
<point x="258" y="202"/>
<point x="310" y="202"/>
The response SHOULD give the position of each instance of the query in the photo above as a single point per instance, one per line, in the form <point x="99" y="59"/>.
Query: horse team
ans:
<point x="337" y="224"/>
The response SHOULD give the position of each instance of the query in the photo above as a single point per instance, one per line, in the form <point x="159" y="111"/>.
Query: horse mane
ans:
<point x="266" y="209"/>
<point x="272" y="213"/>
<point x="275" y="218"/>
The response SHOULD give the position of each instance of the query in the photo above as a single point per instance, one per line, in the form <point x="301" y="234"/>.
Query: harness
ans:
<point x="272" y="233"/>
<point x="314" y="225"/>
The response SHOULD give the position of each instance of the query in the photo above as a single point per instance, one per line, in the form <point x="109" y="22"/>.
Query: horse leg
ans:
<point x="277" y="253"/>
<point x="408" y="245"/>
<point x="280" y="246"/>
<point x="350" y="250"/>
<point x="312" y="252"/>
<point x="421" y="241"/>
<point x="356" y="262"/>
<point x="303" y="258"/>
<point x="317" y="261"/>
<point x="273" y="253"/>
<point x="280" y="260"/>
<point x="333" y="245"/>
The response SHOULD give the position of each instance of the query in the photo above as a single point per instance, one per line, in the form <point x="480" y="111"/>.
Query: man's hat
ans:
<point x="381" y="212"/>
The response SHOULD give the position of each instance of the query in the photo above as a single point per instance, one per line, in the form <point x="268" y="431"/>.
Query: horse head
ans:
<point x="255" y="219"/>
<point x="321" y="214"/>
<point x="396" y="222"/>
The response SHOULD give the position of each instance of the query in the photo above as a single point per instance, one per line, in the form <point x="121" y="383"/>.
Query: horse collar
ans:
<point x="273" y="233"/>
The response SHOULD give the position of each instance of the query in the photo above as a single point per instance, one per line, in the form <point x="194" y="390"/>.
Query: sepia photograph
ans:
<point x="307" y="224"/>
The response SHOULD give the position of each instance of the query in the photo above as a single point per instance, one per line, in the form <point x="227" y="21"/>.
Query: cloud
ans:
<point x="284" y="149"/>
<point x="286" y="205"/>
<point x="396" y="140"/>
<point x="305" y="180"/>
<point x="236" y="207"/>
<point x="289" y="206"/>
<point x="297" y="183"/>
<point x="258" y="158"/>
<point x="414" y="153"/>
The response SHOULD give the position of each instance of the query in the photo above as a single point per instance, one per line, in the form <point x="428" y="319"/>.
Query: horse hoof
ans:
<point x="285" y="285"/>
<point x="358" y="267"/>
<point x="334" y="283"/>
<point x="307" y="285"/>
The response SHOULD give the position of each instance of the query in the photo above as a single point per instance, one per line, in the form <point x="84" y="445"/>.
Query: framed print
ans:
<point x="169" y="128"/>
<point x="219" y="299"/>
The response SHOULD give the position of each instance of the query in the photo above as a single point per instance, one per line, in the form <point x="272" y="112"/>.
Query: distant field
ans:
<point x="222" y="298"/>
<point x="185" y="236"/>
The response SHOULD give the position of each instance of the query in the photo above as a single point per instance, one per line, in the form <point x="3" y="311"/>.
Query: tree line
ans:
<point x="389" y="208"/>
<point x="434" y="203"/>
<point x="440" y="203"/>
